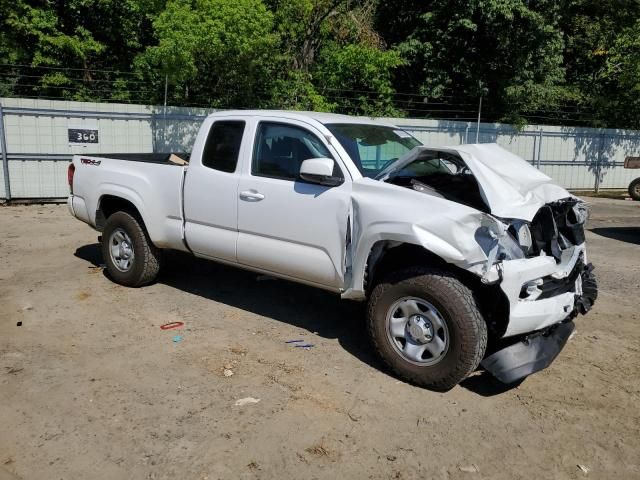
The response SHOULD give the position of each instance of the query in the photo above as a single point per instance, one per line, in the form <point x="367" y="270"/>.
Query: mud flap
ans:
<point x="528" y="356"/>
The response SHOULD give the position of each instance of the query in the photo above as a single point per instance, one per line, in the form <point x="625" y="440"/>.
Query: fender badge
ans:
<point x="88" y="161"/>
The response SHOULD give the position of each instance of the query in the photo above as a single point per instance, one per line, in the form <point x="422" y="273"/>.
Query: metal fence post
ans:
<point x="154" y="131"/>
<point x="539" y="153"/>
<point x="5" y="161"/>
<point x="466" y="133"/>
<point x="596" y="187"/>
<point x="478" y="125"/>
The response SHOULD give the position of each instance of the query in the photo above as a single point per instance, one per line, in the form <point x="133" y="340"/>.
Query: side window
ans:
<point x="223" y="145"/>
<point x="280" y="150"/>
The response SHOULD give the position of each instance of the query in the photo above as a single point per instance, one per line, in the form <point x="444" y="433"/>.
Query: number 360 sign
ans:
<point x="83" y="135"/>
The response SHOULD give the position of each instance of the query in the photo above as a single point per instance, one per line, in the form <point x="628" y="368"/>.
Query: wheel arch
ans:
<point x="108" y="204"/>
<point x="386" y="256"/>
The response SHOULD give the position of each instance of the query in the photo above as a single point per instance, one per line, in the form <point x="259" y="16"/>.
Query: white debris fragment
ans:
<point x="227" y="372"/>
<point x="470" y="469"/>
<point x="246" y="401"/>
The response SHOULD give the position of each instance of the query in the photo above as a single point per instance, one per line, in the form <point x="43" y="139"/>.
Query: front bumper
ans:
<point x="528" y="356"/>
<point x="565" y="288"/>
<point x="540" y="324"/>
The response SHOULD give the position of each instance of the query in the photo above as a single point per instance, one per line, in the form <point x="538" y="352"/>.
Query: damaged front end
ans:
<point x="546" y="289"/>
<point x="549" y="279"/>
<point x="532" y="236"/>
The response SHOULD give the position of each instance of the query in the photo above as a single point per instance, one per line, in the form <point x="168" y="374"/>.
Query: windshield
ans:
<point x="372" y="147"/>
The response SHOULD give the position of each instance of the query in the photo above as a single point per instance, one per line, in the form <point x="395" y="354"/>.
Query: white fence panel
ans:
<point x="38" y="146"/>
<point x="46" y="179"/>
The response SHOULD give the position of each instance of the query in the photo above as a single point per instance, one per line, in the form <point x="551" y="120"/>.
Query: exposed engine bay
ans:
<point x="555" y="227"/>
<point x="442" y="174"/>
<point x="555" y="230"/>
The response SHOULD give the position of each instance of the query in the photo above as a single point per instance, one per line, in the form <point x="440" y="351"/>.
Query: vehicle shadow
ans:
<point x="484" y="384"/>
<point x="307" y="308"/>
<point x="624" y="234"/>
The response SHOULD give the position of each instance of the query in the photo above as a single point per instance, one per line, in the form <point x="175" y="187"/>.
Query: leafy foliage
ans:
<point x="213" y="51"/>
<point x="603" y="59"/>
<point x="568" y="61"/>
<point x="71" y="42"/>
<point x="358" y="78"/>
<point x="507" y="50"/>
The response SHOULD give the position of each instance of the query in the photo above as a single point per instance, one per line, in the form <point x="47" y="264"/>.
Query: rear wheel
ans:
<point x="425" y="325"/>
<point x="634" y="189"/>
<point x="131" y="259"/>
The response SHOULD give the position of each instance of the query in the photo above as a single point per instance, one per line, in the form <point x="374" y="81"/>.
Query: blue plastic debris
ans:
<point x="177" y="339"/>
<point x="294" y="341"/>
<point x="306" y="345"/>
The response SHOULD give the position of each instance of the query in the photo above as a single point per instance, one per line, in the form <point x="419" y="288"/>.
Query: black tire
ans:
<point x="634" y="189"/>
<point x="147" y="258"/>
<point x="467" y="329"/>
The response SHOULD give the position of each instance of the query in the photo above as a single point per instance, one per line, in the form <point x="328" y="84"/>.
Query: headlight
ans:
<point x="523" y="235"/>
<point x="496" y="242"/>
<point x="508" y="248"/>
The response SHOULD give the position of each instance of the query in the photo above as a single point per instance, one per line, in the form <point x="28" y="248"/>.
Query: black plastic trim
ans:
<point x="528" y="356"/>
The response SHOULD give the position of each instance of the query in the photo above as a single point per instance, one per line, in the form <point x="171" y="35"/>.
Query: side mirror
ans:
<point x="320" y="171"/>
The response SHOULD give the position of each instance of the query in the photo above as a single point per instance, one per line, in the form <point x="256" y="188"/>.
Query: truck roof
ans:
<point x="322" y="117"/>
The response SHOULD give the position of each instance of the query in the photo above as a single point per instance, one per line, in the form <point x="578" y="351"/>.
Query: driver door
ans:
<point x="286" y="225"/>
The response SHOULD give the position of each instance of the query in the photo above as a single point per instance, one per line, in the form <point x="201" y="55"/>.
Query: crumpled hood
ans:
<point x="510" y="186"/>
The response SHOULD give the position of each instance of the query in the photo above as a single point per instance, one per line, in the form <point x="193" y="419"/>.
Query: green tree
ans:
<point x="509" y="51"/>
<point x="358" y="79"/>
<point x="543" y="61"/>
<point x="620" y="100"/>
<point x="214" y="52"/>
<point x="601" y="57"/>
<point x="335" y="60"/>
<point x="73" y="46"/>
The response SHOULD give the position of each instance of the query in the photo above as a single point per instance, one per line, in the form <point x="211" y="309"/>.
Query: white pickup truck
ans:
<point x="464" y="254"/>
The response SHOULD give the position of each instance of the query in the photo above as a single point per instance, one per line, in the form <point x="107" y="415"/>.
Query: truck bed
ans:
<point x="138" y="178"/>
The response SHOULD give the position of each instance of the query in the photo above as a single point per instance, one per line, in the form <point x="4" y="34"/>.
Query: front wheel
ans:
<point x="131" y="259"/>
<point x="425" y="325"/>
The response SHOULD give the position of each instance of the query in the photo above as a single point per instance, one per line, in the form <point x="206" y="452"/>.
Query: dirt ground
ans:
<point x="91" y="387"/>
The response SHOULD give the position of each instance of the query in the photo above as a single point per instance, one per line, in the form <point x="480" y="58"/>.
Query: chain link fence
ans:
<point x="39" y="137"/>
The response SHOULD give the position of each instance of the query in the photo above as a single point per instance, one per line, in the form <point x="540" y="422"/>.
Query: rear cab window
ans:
<point x="222" y="147"/>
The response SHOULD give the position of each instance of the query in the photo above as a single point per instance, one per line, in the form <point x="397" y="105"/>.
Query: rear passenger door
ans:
<point x="211" y="191"/>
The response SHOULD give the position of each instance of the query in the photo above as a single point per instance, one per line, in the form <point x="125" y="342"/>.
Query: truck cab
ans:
<point x="261" y="213"/>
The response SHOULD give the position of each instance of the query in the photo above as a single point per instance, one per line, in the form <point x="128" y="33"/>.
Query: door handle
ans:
<point x="251" y="196"/>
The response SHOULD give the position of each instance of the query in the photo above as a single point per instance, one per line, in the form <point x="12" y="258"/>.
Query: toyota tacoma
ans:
<point x="467" y="255"/>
